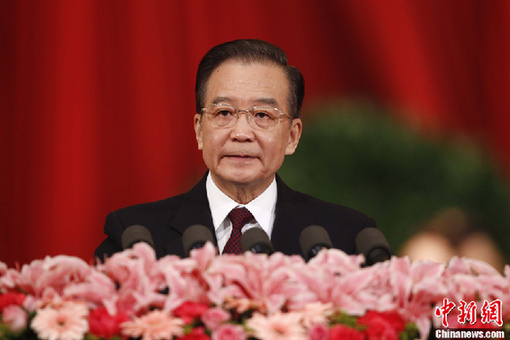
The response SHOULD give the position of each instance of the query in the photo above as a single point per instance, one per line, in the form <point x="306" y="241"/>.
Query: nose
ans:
<point x="242" y="130"/>
<point x="246" y="115"/>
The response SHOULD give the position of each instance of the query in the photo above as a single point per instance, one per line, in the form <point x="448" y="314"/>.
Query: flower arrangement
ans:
<point x="230" y="297"/>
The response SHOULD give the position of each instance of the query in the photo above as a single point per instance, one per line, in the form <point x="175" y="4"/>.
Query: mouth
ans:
<point x="240" y="157"/>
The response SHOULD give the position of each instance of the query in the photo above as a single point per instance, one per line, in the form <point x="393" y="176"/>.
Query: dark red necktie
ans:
<point x="239" y="217"/>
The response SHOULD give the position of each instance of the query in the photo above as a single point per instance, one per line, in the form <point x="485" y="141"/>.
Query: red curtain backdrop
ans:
<point x="97" y="97"/>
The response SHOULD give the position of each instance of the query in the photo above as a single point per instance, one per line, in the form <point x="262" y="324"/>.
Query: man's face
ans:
<point x="242" y="156"/>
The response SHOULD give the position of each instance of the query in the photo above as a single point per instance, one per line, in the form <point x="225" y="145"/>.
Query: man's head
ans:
<point x="245" y="125"/>
<point x="250" y="50"/>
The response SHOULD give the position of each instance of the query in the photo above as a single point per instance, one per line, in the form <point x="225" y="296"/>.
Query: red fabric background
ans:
<point x="96" y="97"/>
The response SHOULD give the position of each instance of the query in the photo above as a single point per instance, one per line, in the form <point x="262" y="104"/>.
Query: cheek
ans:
<point x="280" y="143"/>
<point x="274" y="147"/>
<point x="217" y="139"/>
<point x="213" y="142"/>
<point x="208" y="135"/>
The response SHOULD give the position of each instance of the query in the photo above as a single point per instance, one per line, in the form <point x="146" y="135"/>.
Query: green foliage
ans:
<point x="410" y="332"/>
<point x="342" y="318"/>
<point x="356" y="155"/>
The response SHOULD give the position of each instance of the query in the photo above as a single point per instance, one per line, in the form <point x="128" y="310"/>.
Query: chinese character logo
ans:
<point x="444" y="310"/>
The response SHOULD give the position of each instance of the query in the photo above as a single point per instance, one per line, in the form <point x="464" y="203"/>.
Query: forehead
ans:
<point x="251" y="83"/>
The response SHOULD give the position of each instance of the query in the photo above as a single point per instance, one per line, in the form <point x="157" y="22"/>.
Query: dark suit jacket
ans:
<point x="167" y="219"/>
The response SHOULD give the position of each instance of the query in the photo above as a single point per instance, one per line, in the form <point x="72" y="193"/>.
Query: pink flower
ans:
<point x="342" y="332"/>
<point x="417" y="288"/>
<point x="204" y="255"/>
<point x="96" y="288"/>
<point x="318" y="332"/>
<point x="104" y="325"/>
<point x="316" y="313"/>
<point x="155" y="325"/>
<point x="15" y="318"/>
<point x="337" y="261"/>
<point x="189" y="311"/>
<point x="65" y="322"/>
<point x="30" y="304"/>
<point x="8" y="278"/>
<point x="214" y="317"/>
<point x="277" y="326"/>
<point x="255" y="281"/>
<point x="60" y="272"/>
<point x="195" y="334"/>
<point x="355" y="292"/>
<point x="184" y="280"/>
<point x="139" y="279"/>
<point x="229" y="332"/>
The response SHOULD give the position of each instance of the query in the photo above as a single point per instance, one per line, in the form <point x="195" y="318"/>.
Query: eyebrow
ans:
<point x="221" y="100"/>
<point x="269" y="101"/>
<point x="263" y="100"/>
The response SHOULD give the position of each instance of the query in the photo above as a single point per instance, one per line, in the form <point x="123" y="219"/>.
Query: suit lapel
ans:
<point x="290" y="220"/>
<point x="194" y="209"/>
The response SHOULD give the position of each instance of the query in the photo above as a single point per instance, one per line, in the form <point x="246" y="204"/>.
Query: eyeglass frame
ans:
<point x="249" y="115"/>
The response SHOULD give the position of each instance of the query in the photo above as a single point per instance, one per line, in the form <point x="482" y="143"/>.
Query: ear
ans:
<point x="294" y="136"/>
<point x="197" y="121"/>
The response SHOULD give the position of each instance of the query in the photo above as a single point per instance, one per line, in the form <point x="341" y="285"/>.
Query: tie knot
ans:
<point x="239" y="217"/>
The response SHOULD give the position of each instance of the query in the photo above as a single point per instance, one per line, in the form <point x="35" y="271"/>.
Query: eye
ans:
<point x="263" y="114"/>
<point x="224" y="112"/>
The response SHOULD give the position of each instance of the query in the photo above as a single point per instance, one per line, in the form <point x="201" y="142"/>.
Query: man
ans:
<point x="248" y="103"/>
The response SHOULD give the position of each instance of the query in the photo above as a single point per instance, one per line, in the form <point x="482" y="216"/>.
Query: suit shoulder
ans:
<point x="321" y="207"/>
<point x="150" y="211"/>
<point x="341" y="222"/>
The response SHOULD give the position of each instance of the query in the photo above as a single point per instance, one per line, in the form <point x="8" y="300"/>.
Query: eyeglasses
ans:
<point x="261" y="117"/>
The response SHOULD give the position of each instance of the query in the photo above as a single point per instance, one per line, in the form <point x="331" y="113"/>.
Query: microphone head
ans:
<point x="313" y="239"/>
<point x="256" y="241"/>
<point x="372" y="243"/>
<point x="195" y="237"/>
<point x="136" y="233"/>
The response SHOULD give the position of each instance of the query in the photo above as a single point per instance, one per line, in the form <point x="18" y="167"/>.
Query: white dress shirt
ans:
<point x="262" y="208"/>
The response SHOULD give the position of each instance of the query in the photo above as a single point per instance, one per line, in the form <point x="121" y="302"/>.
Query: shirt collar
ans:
<point x="262" y="207"/>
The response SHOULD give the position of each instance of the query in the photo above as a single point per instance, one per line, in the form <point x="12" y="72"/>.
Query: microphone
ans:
<point x="372" y="243"/>
<point x="135" y="233"/>
<point x="313" y="239"/>
<point x="195" y="237"/>
<point x="256" y="241"/>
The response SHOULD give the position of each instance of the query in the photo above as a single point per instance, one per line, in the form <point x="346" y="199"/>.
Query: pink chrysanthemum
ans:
<point x="316" y="313"/>
<point x="65" y="322"/>
<point x="157" y="324"/>
<point x="278" y="326"/>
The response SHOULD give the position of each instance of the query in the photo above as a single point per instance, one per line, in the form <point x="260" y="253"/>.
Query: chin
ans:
<point x="243" y="180"/>
<point x="240" y="178"/>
